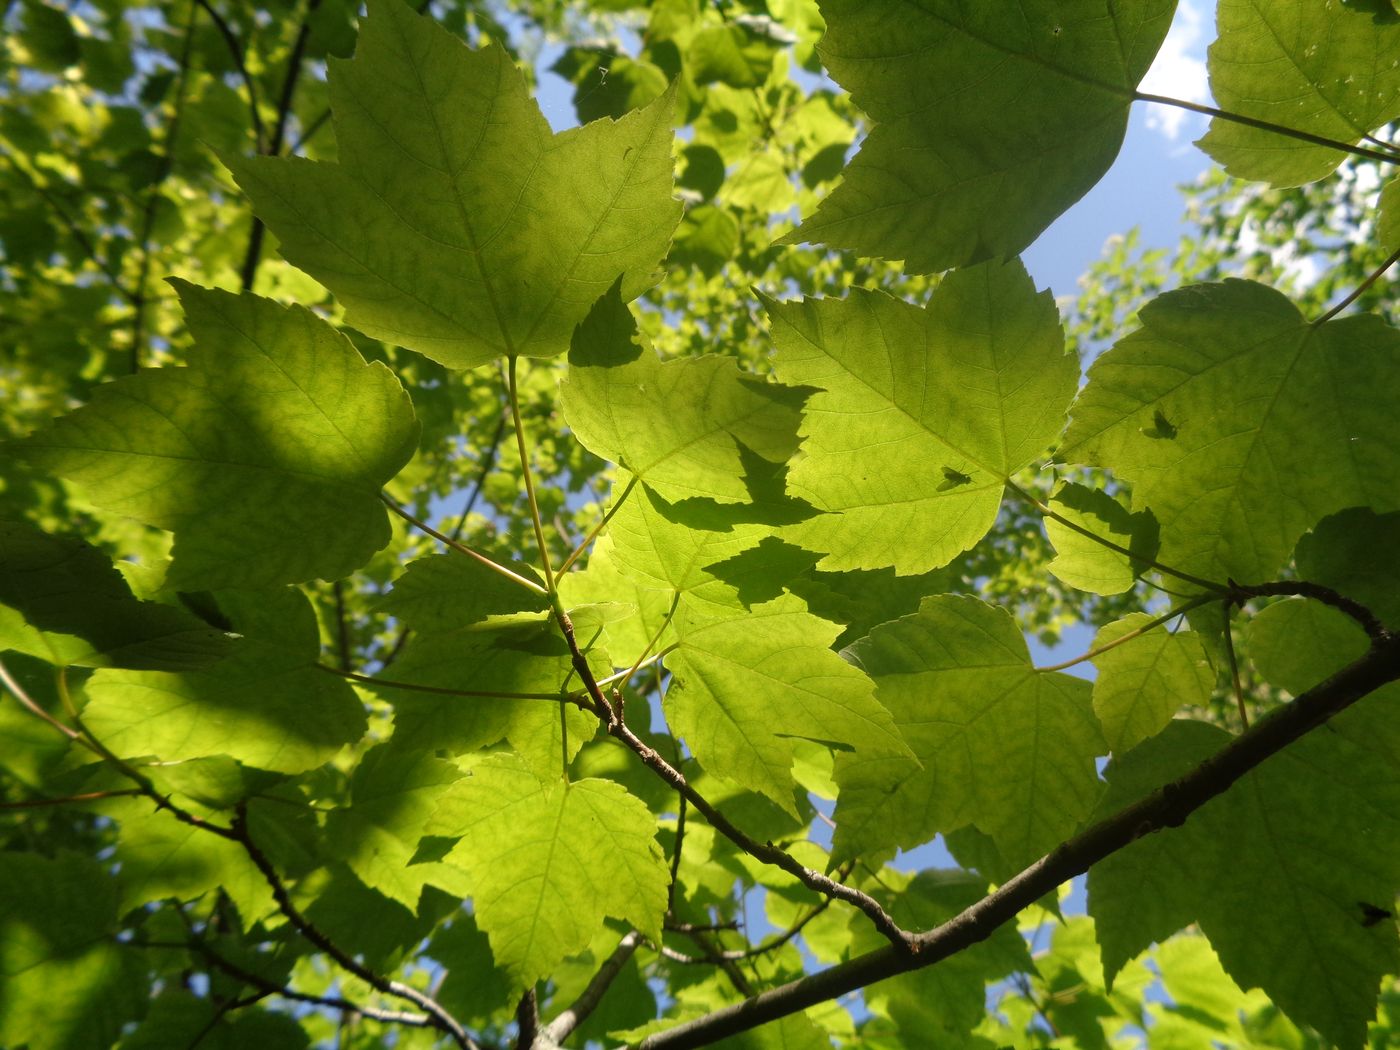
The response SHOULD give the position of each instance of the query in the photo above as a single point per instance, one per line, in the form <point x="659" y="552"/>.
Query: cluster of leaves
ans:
<point x="736" y="607"/>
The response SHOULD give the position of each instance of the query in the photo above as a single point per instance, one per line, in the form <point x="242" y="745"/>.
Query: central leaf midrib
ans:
<point x="889" y="399"/>
<point x="452" y="175"/>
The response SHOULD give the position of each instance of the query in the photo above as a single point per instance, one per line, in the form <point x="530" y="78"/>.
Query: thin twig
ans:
<point x="1157" y="622"/>
<point x="442" y="1020"/>
<point x="618" y="676"/>
<point x="271" y="987"/>
<point x="715" y="957"/>
<point x="236" y="51"/>
<point x="32" y="706"/>
<point x="342" y="628"/>
<point x="1360" y="289"/>
<point x="461" y="548"/>
<point x="676" y="858"/>
<point x="1385" y="157"/>
<point x="1368" y="620"/>
<point x="487" y="463"/>
<point x="77" y="232"/>
<point x="249" y="270"/>
<point x="587" y="541"/>
<point x="128" y="770"/>
<point x="514" y="394"/>
<point x="148" y="218"/>
<point x="69" y="800"/>
<point x="449" y="691"/>
<point x="645" y="655"/>
<point x="764" y="851"/>
<point x="1049" y="512"/>
<point x="566" y="1022"/>
<point x="770" y="945"/>
<point x="1234" y="668"/>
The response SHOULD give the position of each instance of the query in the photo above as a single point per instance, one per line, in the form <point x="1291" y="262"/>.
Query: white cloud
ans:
<point x="1179" y="71"/>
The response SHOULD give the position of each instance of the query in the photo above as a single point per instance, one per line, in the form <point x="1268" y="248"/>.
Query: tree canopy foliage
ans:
<point x="467" y="581"/>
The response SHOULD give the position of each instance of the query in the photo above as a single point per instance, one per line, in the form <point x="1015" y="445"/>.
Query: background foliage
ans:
<point x="427" y="647"/>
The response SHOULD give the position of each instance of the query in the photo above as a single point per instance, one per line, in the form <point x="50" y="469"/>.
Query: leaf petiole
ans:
<point x="1170" y="614"/>
<point x="587" y="541"/>
<point x="514" y="392"/>
<point x="1217" y="589"/>
<point x="461" y="548"/>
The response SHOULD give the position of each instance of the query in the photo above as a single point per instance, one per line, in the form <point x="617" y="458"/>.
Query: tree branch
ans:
<point x="271" y="987"/>
<point x="563" y="1025"/>
<point x="442" y="1020"/>
<point x="253" y="256"/>
<point x="527" y="1020"/>
<point x="1167" y="807"/>
<point x="1368" y="620"/>
<point x="148" y="218"/>
<point x="236" y="51"/>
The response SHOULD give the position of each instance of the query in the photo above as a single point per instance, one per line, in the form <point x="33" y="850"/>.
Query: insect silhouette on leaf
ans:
<point x="1371" y="914"/>
<point x="952" y="479"/>
<point x="1162" y="427"/>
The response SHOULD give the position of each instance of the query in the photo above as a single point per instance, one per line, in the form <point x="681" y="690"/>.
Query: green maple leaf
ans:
<point x="267" y="705"/>
<point x="683" y="426"/>
<point x="1086" y="563"/>
<point x="63" y="601"/>
<point x="523" y="658"/>
<point x="1279" y="423"/>
<point x="746" y="687"/>
<point x="547" y="860"/>
<point x="1355" y="552"/>
<point x="951" y="998"/>
<point x="163" y="858"/>
<point x="1143" y="682"/>
<point x="64" y="982"/>
<point x="704" y="547"/>
<point x="977" y="383"/>
<point x="999" y="745"/>
<point x="602" y="580"/>
<point x="1313" y="67"/>
<point x="178" y="1018"/>
<point x="456" y="224"/>
<point x="445" y="591"/>
<point x="1388" y="221"/>
<point x="1278" y="871"/>
<point x="1298" y="643"/>
<point x="265" y="456"/>
<point x="991" y="119"/>
<point x="393" y="793"/>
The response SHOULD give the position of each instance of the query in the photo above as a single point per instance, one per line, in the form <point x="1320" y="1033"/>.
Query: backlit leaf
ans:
<point x="267" y="704"/>
<point x="456" y="224"/>
<point x="1279" y="423"/>
<point x="1142" y="682"/>
<point x="1000" y="745"/>
<point x="681" y="426"/>
<point x="976" y="384"/>
<point x="745" y="688"/>
<point x="546" y="860"/>
<point x="990" y="119"/>
<point x="62" y="601"/>
<point x="265" y="455"/>
<point x="1318" y="68"/>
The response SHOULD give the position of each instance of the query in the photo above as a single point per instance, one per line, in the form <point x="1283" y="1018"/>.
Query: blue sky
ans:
<point x="1157" y="156"/>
